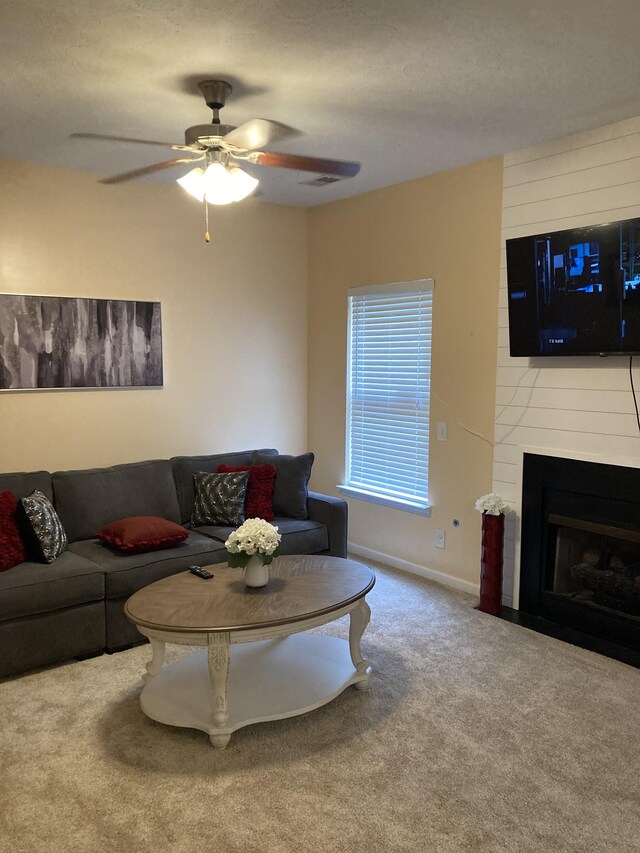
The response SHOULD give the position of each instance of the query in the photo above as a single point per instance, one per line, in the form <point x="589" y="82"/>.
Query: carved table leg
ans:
<point x="218" y="659"/>
<point x="155" y="664"/>
<point x="358" y="620"/>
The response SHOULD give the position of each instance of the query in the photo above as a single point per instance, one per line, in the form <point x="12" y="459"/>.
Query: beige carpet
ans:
<point x="477" y="735"/>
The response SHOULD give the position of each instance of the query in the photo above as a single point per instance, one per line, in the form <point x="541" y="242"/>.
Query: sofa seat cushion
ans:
<point x="299" y="536"/>
<point x="127" y="573"/>
<point x="32" y="588"/>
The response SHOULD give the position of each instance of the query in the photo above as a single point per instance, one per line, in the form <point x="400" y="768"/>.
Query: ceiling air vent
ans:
<point x="322" y="181"/>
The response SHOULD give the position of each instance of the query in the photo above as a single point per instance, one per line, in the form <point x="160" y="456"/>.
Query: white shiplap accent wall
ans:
<point x="577" y="407"/>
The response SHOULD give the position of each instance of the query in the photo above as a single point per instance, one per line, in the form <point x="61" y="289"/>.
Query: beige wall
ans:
<point x="446" y="227"/>
<point x="233" y="316"/>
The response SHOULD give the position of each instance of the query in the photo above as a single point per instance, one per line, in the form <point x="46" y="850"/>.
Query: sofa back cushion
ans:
<point x="24" y="483"/>
<point x="89" y="499"/>
<point x="184" y="467"/>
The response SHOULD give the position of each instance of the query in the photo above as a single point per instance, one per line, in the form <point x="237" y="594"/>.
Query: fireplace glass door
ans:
<point x="595" y="564"/>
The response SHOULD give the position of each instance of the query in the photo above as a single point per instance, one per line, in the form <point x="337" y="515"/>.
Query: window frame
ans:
<point x="419" y="506"/>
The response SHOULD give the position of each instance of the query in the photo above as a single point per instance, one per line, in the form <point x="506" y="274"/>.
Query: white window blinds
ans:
<point x="388" y="384"/>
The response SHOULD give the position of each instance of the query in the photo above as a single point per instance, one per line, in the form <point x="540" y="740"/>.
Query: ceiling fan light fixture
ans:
<point x="192" y="183"/>
<point x="226" y="184"/>
<point x="243" y="184"/>
<point x="218" y="184"/>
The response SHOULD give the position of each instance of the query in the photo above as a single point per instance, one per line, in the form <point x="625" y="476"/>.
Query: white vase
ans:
<point x="255" y="572"/>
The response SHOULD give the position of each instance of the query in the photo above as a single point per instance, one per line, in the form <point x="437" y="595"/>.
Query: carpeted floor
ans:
<point x="476" y="735"/>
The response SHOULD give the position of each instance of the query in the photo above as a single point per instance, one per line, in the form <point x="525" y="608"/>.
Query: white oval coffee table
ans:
<point x="259" y="664"/>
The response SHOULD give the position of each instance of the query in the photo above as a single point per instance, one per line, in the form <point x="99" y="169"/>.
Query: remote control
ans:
<point x="200" y="572"/>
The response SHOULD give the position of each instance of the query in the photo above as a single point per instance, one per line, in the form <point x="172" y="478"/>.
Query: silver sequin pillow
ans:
<point x="219" y="498"/>
<point x="43" y="529"/>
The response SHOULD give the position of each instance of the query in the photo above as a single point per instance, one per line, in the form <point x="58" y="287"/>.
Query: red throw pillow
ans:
<point x="11" y="545"/>
<point x="258" y="502"/>
<point x="142" y="533"/>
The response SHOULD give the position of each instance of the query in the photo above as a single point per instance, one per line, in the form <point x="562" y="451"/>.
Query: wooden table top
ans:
<point x="299" y="588"/>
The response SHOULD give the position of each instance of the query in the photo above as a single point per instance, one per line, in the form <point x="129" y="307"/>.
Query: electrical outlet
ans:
<point x="440" y="538"/>
<point x="442" y="431"/>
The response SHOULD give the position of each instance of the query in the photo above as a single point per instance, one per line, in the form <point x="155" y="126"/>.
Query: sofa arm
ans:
<point x="332" y="512"/>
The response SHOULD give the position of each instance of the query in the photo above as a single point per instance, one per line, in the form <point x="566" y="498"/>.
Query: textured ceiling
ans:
<point x="406" y="87"/>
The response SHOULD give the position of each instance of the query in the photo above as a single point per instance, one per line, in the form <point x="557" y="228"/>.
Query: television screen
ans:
<point x="575" y="292"/>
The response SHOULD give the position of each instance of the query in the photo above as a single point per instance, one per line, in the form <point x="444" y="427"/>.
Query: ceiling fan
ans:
<point x="221" y="147"/>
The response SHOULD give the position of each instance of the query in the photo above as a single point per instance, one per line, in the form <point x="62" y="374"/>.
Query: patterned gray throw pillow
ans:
<point x="44" y="531"/>
<point x="219" y="498"/>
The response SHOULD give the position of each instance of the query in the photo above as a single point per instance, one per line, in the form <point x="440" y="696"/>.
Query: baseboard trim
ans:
<point x="413" y="568"/>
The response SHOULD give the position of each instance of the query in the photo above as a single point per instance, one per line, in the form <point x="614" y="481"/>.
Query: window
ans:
<point x="388" y="388"/>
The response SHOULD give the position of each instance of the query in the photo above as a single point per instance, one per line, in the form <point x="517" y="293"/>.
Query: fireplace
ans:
<point x="580" y="551"/>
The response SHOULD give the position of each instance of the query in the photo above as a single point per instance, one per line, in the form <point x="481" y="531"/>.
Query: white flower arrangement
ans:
<point x="491" y="504"/>
<point x="256" y="537"/>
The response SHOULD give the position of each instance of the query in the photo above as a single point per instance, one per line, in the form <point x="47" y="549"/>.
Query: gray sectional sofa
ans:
<point x="73" y="607"/>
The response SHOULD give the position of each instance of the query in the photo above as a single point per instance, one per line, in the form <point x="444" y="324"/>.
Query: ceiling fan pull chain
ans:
<point x="207" y="236"/>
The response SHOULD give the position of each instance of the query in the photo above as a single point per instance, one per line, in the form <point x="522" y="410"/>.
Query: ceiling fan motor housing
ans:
<point x="206" y="135"/>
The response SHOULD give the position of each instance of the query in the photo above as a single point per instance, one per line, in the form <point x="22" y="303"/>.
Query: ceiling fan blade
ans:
<point x="259" y="132"/>
<point x="147" y="170"/>
<point x="341" y="168"/>
<point x="100" y="136"/>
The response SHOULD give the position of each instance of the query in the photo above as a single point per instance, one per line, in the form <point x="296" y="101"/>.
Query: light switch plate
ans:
<point x="440" y="538"/>
<point x="442" y="431"/>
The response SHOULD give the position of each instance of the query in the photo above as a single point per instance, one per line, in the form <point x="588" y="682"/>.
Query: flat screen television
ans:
<point x="575" y="292"/>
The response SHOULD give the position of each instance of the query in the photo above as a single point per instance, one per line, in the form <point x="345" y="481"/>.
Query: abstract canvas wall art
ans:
<point x="68" y="342"/>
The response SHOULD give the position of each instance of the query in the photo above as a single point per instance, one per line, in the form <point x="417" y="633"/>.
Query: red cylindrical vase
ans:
<point x="491" y="564"/>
